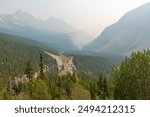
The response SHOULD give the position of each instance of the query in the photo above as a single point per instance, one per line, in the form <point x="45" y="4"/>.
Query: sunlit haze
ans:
<point x="91" y="16"/>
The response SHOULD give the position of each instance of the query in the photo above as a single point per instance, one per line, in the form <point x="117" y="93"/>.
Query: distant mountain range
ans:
<point x="130" y="33"/>
<point x="53" y="32"/>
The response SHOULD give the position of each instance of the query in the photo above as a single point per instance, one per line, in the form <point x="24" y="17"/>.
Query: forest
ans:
<point x="130" y="81"/>
<point x="91" y="53"/>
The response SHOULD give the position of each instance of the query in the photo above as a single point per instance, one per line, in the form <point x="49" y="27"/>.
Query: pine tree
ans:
<point x="41" y="65"/>
<point x="69" y="88"/>
<point x="93" y="90"/>
<point x="105" y="89"/>
<point x="29" y="71"/>
<point x="100" y="86"/>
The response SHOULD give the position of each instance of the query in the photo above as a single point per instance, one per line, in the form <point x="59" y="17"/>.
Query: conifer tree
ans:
<point x="41" y="65"/>
<point x="69" y="88"/>
<point x="29" y="71"/>
<point x="100" y="86"/>
<point x="93" y="90"/>
<point x="105" y="89"/>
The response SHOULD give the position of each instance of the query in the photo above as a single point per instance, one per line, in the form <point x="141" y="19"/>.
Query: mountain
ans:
<point x="84" y="64"/>
<point x="16" y="51"/>
<point x="130" y="33"/>
<point x="56" y="25"/>
<point x="92" y="65"/>
<point x="53" y="32"/>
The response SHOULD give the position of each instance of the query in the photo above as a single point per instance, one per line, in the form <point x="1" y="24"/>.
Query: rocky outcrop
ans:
<point x="65" y="64"/>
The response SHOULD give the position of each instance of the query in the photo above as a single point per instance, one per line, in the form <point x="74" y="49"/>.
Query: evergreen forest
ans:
<point x="24" y="75"/>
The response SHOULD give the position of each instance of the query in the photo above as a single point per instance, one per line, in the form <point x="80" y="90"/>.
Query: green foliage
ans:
<point x="132" y="80"/>
<point x="16" y="51"/>
<point x="64" y="87"/>
<point x="1" y="89"/>
<point x="99" y="89"/>
<point x="93" y="89"/>
<point x="29" y="71"/>
<point x="23" y="96"/>
<point x="80" y="93"/>
<point x="41" y="65"/>
<point x="68" y="87"/>
<point x="102" y="87"/>
<point x="92" y="65"/>
<point x="110" y="89"/>
<point x="105" y="89"/>
<point x="39" y="90"/>
<point x="10" y="92"/>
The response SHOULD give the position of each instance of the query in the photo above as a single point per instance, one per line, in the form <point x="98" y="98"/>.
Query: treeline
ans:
<point x="130" y="81"/>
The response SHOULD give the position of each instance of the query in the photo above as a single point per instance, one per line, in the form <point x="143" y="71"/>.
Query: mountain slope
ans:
<point x="84" y="64"/>
<point x="56" y="25"/>
<point x="92" y="65"/>
<point x="16" y="51"/>
<point x="130" y="33"/>
<point x="54" y="32"/>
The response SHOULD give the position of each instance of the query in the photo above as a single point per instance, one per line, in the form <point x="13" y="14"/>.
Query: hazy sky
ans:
<point x="91" y="16"/>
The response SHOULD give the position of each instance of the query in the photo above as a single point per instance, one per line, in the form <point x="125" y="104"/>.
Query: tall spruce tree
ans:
<point x="29" y="71"/>
<point x="41" y="65"/>
<point x="105" y="89"/>
<point x="93" y="90"/>
<point x="102" y="87"/>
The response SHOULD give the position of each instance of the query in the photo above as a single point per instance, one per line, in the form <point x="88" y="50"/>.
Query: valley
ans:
<point x="52" y="60"/>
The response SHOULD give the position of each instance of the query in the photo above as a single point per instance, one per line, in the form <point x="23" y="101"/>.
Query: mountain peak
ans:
<point x="18" y="12"/>
<point x="54" y="30"/>
<point x="21" y="13"/>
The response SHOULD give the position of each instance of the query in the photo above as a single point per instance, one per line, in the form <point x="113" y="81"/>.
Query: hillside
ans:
<point x="16" y="51"/>
<point x="92" y="65"/>
<point x="65" y="64"/>
<point x="16" y="84"/>
<point x="130" y="33"/>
